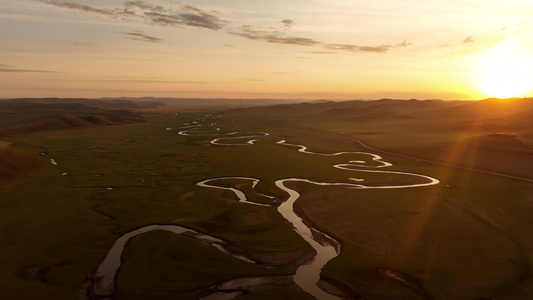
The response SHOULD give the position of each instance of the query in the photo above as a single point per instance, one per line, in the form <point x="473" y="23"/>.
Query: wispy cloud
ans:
<point x="83" y="7"/>
<point x="281" y="38"/>
<point x="287" y="23"/>
<point x="84" y="44"/>
<point x="186" y="15"/>
<point x="468" y="40"/>
<point x="512" y="27"/>
<point x="273" y="36"/>
<point x="12" y="69"/>
<point x="375" y="49"/>
<point x="142" y="36"/>
<point x="192" y="16"/>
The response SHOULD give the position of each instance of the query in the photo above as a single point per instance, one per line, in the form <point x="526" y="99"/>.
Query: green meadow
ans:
<point x="468" y="237"/>
<point x="60" y="222"/>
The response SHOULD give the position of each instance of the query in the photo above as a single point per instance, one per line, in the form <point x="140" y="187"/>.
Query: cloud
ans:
<point x="83" y="7"/>
<point x="201" y="19"/>
<point x="186" y="15"/>
<point x="287" y="23"/>
<point x="403" y="44"/>
<point x="192" y="16"/>
<point x="468" y="40"/>
<point x="84" y="44"/>
<point x="357" y="48"/>
<point x="375" y="49"/>
<point x="512" y="27"/>
<point x="12" y="69"/>
<point x="274" y="37"/>
<point x="140" y="4"/>
<point x="142" y="36"/>
<point x="278" y="37"/>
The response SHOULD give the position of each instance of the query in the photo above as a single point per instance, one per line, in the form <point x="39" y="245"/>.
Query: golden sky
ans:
<point x="334" y="49"/>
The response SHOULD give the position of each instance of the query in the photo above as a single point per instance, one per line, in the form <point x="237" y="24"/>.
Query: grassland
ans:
<point x="466" y="238"/>
<point x="109" y="180"/>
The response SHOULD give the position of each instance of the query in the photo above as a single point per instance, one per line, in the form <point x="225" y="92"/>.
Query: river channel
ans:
<point x="100" y="284"/>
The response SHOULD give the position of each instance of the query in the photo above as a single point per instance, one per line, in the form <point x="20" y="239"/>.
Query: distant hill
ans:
<point x="386" y="109"/>
<point x="75" y="103"/>
<point x="453" y="132"/>
<point x="29" y="115"/>
<point x="26" y="115"/>
<point x="209" y="103"/>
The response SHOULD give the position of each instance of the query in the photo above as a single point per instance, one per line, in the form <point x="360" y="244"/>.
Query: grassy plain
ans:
<point x="110" y="180"/>
<point x="466" y="238"/>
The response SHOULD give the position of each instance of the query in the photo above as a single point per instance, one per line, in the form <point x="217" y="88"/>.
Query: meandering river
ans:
<point x="307" y="275"/>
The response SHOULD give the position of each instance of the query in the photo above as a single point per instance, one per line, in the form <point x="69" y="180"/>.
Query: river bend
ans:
<point x="307" y="275"/>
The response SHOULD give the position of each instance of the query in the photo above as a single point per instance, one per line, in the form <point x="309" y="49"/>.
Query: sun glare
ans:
<point x="504" y="71"/>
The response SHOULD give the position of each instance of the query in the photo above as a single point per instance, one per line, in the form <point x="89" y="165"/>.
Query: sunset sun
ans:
<point x="504" y="71"/>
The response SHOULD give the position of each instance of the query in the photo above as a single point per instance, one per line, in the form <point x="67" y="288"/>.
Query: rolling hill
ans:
<point x="450" y="132"/>
<point x="29" y="115"/>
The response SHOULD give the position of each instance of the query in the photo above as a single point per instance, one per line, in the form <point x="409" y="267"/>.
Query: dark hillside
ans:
<point x="30" y="115"/>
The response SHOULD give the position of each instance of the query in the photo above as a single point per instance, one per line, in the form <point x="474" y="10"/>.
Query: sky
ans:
<point x="310" y="49"/>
